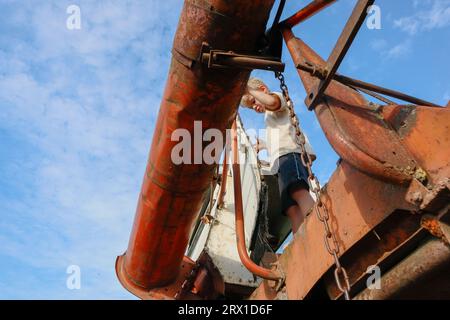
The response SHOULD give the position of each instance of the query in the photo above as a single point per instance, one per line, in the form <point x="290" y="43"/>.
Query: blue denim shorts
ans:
<point x="291" y="173"/>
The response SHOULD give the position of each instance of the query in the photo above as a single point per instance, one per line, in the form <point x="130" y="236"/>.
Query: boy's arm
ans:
<point x="270" y="101"/>
<point x="260" y="145"/>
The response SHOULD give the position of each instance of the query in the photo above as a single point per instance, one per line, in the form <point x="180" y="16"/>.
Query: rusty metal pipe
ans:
<point x="172" y="194"/>
<point x="306" y="13"/>
<point x="239" y="217"/>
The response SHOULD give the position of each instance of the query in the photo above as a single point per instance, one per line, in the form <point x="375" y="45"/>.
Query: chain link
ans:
<point x="321" y="210"/>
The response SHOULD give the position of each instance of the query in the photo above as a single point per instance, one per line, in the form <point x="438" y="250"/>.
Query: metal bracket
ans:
<point x="344" y="42"/>
<point x="220" y="59"/>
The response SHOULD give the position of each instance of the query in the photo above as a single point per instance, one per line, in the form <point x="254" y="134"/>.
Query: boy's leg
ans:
<point x="293" y="183"/>
<point x="296" y="217"/>
<point x="303" y="199"/>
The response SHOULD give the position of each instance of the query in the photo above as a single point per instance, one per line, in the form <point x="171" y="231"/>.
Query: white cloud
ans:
<point x="435" y="15"/>
<point x="446" y="97"/>
<point x="399" y="50"/>
<point x="87" y="102"/>
<point x="378" y="44"/>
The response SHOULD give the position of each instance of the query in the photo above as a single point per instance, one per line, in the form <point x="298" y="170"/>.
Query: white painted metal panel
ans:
<point x="219" y="237"/>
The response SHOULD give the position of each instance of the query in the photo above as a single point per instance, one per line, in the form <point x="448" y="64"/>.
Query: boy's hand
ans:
<point x="259" y="145"/>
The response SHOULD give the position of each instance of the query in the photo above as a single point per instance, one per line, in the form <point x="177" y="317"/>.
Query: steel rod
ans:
<point x="391" y="93"/>
<point x="375" y="95"/>
<point x="306" y="13"/>
<point x="244" y="62"/>
<point x="239" y="217"/>
<point x="344" y="42"/>
<point x="368" y="88"/>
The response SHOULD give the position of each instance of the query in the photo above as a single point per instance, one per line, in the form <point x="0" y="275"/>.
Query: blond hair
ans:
<point x="255" y="84"/>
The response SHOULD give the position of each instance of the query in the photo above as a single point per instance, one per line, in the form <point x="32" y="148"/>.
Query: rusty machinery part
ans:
<point x="333" y="249"/>
<point x="163" y="293"/>
<point x="358" y="136"/>
<point x="188" y="283"/>
<point x="306" y="12"/>
<point x="171" y="195"/>
<point x="204" y="281"/>
<point x="339" y="51"/>
<point x="421" y="275"/>
<point x="264" y="273"/>
<point x="198" y="280"/>
<point x="365" y="203"/>
<point x="344" y="42"/>
<point x="222" y="59"/>
<point x="277" y="18"/>
<point x="375" y="95"/>
<point x="328" y="72"/>
<point x="439" y="225"/>
<point x="368" y="88"/>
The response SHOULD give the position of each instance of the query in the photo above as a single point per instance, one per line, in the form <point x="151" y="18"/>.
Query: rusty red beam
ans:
<point x="412" y="277"/>
<point x="172" y="194"/>
<point x="306" y="13"/>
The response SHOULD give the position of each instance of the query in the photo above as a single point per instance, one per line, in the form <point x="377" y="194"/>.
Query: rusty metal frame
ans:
<point x="419" y="275"/>
<point x="358" y="136"/>
<point x="368" y="88"/>
<point x="344" y="42"/>
<point x="366" y="188"/>
<point x="325" y="74"/>
<point x="361" y="199"/>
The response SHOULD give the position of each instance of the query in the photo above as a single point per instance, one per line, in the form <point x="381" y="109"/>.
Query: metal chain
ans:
<point x="321" y="210"/>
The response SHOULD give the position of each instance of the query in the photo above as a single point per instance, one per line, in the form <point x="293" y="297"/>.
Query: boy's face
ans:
<point x="252" y="103"/>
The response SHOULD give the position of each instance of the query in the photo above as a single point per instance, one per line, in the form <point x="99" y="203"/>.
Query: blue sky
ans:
<point x="78" y="110"/>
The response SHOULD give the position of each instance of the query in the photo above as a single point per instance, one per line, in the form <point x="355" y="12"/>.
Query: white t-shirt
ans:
<point x="280" y="135"/>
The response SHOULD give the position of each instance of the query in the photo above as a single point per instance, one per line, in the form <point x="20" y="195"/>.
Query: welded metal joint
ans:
<point x="429" y="198"/>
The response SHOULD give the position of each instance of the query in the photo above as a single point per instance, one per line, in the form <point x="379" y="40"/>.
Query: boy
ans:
<point x="283" y="151"/>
